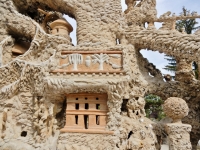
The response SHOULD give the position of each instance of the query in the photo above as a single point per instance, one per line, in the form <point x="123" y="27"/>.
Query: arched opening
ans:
<point x="170" y="67"/>
<point x="51" y="21"/>
<point x="13" y="46"/>
<point x="182" y="66"/>
<point x="21" y="45"/>
<point x="157" y="63"/>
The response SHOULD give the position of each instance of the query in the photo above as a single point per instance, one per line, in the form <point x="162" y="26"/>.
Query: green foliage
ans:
<point x="188" y="25"/>
<point x="171" y="65"/>
<point x="153" y="107"/>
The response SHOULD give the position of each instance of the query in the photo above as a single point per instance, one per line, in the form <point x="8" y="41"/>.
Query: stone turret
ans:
<point x="62" y="28"/>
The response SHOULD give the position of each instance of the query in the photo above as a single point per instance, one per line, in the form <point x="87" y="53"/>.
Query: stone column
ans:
<point x="184" y="70"/>
<point x="178" y="133"/>
<point x="179" y="136"/>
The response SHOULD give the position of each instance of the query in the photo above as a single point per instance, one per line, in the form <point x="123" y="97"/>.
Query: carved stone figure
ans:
<point x="135" y="107"/>
<point x="75" y="59"/>
<point x="100" y="58"/>
<point x="88" y="61"/>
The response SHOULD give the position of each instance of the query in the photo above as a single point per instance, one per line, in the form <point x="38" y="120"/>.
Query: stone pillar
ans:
<point x="130" y="4"/>
<point x="178" y="133"/>
<point x="179" y="136"/>
<point x="184" y="70"/>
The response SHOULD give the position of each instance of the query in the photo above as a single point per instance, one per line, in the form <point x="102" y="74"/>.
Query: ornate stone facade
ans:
<point x="40" y="66"/>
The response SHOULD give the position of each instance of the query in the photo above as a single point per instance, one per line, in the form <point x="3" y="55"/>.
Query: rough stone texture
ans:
<point x="32" y="90"/>
<point x="179" y="136"/>
<point x="178" y="133"/>
<point x="86" y="142"/>
<point x="175" y="108"/>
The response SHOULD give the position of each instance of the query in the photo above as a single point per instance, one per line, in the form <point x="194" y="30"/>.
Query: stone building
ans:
<point x="54" y="95"/>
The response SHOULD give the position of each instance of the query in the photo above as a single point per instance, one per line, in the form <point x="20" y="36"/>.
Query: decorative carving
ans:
<point x="112" y="40"/>
<point x="107" y="62"/>
<point x="100" y="58"/>
<point x="88" y="61"/>
<point x="175" y="108"/>
<point x="75" y="59"/>
<point x="135" y="107"/>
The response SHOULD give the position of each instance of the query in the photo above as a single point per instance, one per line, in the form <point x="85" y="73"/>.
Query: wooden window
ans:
<point x="89" y="112"/>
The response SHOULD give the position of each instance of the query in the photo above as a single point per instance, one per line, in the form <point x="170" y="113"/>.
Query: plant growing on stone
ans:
<point x="75" y="59"/>
<point x="100" y="58"/>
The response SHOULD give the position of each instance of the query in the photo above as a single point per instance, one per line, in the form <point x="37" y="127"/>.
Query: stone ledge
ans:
<point x="88" y="131"/>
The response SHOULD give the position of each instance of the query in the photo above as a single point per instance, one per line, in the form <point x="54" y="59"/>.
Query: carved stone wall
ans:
<point x="106" y="60"/>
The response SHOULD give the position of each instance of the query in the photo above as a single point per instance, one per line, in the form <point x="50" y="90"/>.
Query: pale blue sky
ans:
<point x="175" y="6"/>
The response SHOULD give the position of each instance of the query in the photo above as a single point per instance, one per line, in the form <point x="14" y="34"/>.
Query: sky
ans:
<point x="175" y="6"/>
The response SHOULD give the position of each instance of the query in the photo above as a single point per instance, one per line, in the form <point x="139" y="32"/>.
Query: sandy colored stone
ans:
<point x="40" y="66"/>
<point x="175" y="108"/>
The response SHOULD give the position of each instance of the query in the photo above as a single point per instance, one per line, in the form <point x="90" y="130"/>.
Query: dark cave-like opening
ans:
<point x="24" y="133"/>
